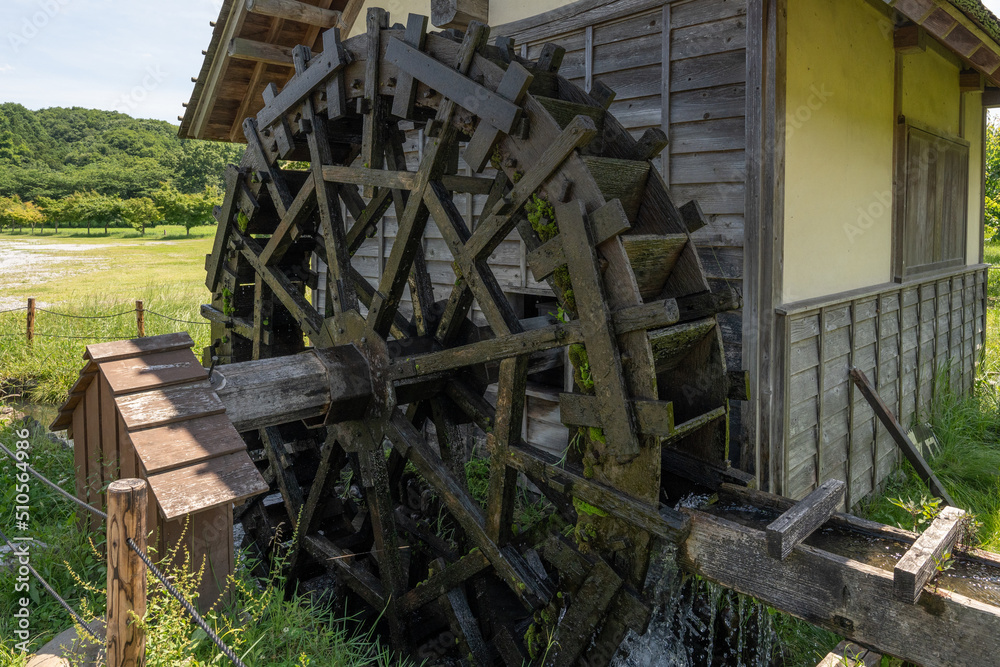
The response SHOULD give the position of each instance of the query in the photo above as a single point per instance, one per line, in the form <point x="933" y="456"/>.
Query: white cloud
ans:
<point x="6" y="67"/>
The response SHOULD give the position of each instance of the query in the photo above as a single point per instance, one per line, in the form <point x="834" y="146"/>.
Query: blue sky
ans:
<point x="134" y="56"/>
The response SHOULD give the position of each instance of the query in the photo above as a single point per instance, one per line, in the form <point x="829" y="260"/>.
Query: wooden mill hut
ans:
<point x="835" y="146"/>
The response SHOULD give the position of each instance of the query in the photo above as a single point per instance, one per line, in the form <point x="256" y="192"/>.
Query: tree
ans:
<point x="139" y="213"/>
<point x="992" y="193"/>
<point x="26" y="213"/>
<point x="190" y="210"/>
<point x="7" y="216"/>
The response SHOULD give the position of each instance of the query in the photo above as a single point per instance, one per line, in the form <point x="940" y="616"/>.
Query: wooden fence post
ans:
<point x="126" y="642"/>
<point x="31" y="320"/>
<point x="140" y="318"/>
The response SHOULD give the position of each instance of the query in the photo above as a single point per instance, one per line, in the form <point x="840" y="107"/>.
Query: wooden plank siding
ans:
<point x="698" y="99"/>
<point x="913" y="340"/>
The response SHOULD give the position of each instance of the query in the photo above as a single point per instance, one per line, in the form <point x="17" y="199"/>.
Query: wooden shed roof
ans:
<point x="190" y="453"/>
<point x="250" y="48"/>
<point x="252" y="42"/>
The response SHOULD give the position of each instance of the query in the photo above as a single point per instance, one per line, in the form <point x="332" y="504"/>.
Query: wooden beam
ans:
<point x="798" y="523"/>
<point x="459" y="13"/>
<point x="248" y="49"/>
<point x="488" y="105"/>
<point x="653" y="417"/>
<point x="293" y="10"/>
<point x="971" y="81"/>
<point x="910" y="451"/>
<point x="920" y="561"/>
<point x="607" y="222"/>
<point x="909" y="38"/>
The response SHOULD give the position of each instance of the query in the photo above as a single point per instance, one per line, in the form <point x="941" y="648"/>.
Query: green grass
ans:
<point x="89" y="279"/>
<point x="168" y="232"/>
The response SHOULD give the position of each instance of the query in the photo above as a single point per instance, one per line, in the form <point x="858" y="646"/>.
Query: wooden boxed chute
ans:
<point x="145" y="408"/>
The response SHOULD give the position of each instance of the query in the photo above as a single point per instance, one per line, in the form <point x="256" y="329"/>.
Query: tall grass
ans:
<point x="261" y="625"/>
<point x="44" y="371"/>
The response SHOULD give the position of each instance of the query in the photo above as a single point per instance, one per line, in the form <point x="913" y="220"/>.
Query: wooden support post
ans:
<point x="127" y="502"/>
<point x="920" y="562"/>
<point x="899" y="435"/>
<point x="30" y="329"/>
<point x="801" y="520"/>
<point x="140" y="319"/>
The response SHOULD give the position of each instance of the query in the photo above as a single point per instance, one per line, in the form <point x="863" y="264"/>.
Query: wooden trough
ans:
<point x="144" y="408"/>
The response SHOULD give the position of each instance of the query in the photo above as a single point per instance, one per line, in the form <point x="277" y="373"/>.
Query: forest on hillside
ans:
<point x="85" y="167"/>
<point x="57" y="152"/>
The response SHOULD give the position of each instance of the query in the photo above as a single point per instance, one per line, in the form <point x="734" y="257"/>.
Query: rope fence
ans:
<point x="140" y="322"/>
<point x="120" y="619"/>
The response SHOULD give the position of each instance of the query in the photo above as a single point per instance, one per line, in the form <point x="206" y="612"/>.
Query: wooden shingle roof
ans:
<point x="190" y="453"/>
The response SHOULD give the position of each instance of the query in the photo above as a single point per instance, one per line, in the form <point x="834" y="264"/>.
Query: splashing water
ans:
<point x="696" y="623"/>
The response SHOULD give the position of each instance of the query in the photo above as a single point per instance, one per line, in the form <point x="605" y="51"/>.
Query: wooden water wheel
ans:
<point x="375" y="484"/>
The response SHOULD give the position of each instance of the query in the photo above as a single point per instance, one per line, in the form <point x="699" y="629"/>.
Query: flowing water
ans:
<point x="696" y="623"/>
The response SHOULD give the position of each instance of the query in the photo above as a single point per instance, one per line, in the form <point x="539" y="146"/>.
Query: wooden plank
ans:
<point x="441" y="582"/>
<point x="491" y="107"/>
<point x="110" y="456"/>
<point x="509" y="416"/>
<point x="585" y="614"/>
<point x="798" y="523"/>
<point x="303" y="206"/>
<point x="328" y="63"/>
<point x="607" y="222"/>
<point x="358" y="577"/>
<point x="373" y="124"/>
<point x="113" y="351"/>
<point x="920" y="562"/>
<point x="175" y="445"/>
<point x="595" y="316"/>
<point x="166" y="406"/>
<point x="261" y="52"/>
<point x="911" y="453"/>
<point x="80" y="462"/>
<point x="847" y="654"/>
<point x="666" y="92"/>
<point x="225" y="479"/>
<point x="159" y="369"/>
<point x="294" y="10"/>
<point x="653" y="417"/>
<point x="513" y="86"/>
<point x="95" y="451"/>
<point x="406" y="85"/>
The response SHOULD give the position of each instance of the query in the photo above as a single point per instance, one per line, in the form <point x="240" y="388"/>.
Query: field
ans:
<point x="93" y="277"/>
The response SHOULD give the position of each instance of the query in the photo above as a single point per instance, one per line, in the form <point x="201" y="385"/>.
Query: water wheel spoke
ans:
<point x="507" y="430"/>
<point x="299" y="210"/>
<point x="465" y="511"/>
<point x="375" y="481"/>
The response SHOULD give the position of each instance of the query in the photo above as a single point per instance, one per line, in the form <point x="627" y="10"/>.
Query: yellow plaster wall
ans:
<point x="838" y="148"/>
<point x="839" y="143"/>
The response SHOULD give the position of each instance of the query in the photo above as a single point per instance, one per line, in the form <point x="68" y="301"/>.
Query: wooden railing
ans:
<point x="910" y="338"/>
